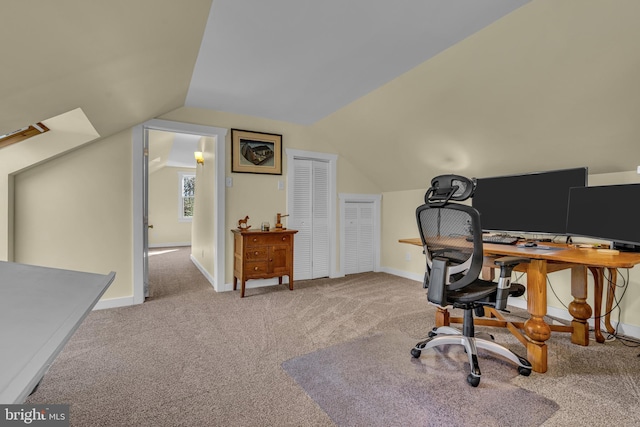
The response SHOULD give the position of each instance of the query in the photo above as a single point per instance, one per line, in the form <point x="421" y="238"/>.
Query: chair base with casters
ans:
<point x="446" y="335"/>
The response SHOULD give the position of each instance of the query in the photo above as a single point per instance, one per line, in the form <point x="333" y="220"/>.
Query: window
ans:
<point x="187" y="195"/>
<point x="22" y="134"/>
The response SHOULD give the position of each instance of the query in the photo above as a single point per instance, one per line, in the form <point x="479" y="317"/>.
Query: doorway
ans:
<point x="140" y="146"/>
<point x="171" y="200"/>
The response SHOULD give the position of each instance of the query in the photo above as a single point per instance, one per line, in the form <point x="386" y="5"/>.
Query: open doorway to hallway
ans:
<point x="208" y="242"/>
<point x="171" y="201"/>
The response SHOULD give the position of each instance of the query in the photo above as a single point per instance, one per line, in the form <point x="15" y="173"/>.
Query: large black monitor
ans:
<point x="609" y="212"/>
<point x="527" y="203"/>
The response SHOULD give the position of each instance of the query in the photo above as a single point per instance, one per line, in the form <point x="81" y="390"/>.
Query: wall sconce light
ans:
<point x="199" y="157"/>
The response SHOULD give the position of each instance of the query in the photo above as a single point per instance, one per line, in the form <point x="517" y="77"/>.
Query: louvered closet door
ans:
<point x="358" y="235"/>
<point x="310" y="216"/>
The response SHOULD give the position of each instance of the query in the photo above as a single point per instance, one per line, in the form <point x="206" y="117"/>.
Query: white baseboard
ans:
<point x="405" y="274"/>
<point x="624" y="329"/>
<point x="113" y="303"/>
<point x="204" y="272"/>
<point x="168" y="245"/>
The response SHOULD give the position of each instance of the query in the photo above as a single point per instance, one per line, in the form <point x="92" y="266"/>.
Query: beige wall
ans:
<point x="164" y="208"/>
<point x="398" y="221"/>
<point x="203" y="235"/>
<point x="67" y="132"/>
<point x="257" y="195"/>
<point x="74" y="212"/>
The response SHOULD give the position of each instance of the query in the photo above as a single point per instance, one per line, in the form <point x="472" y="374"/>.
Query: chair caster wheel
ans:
<point x="525" y="372"/>
<point x="526" y="369"/>
<point x="432" y="333"/>
<point x="416" y="353"/>
<point x="473" y="380"/>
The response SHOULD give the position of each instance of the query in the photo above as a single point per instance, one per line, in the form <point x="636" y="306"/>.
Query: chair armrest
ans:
<point x="506" y="265"/>
<point x="510" y="261"/>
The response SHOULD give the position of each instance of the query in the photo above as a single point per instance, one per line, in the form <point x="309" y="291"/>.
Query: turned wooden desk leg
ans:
<point x="598" y="276"/>
<point x="579" y="308"/>
<point x="242" y="288"/>
<point x="611" y="292"/>
<point x="235" y="283"/>
<point x="535" y="328"/>
<point x="291" y="282"/>
<point x="442" y="317"/>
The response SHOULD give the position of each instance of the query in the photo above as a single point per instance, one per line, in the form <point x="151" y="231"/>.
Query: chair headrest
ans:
<point x="449" y="187"/>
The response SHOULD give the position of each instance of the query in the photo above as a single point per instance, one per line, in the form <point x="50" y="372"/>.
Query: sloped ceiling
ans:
<point x="301" y="60"/>
<point x="403" y="90"/>
<point x="553" y="85"/>
<point x="123" y="62"/>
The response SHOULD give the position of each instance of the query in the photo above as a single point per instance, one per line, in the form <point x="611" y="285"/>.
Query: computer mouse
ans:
<point x="530" y="244"/>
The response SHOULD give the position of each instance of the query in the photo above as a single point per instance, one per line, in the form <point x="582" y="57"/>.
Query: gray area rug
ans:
<point x="374" y="381"/>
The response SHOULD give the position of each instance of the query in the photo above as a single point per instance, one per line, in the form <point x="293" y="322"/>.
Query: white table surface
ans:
<point x="40" y="309"/>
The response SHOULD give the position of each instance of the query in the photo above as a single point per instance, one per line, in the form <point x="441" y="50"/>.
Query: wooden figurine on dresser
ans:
<point x="262" y="254"/>
<point x="242" y="223"/>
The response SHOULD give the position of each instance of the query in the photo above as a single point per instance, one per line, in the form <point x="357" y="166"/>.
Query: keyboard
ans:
<point x="500" y="239"/>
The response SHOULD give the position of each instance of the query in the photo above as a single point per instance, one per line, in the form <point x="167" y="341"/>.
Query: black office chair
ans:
<point x="452" y="239"/>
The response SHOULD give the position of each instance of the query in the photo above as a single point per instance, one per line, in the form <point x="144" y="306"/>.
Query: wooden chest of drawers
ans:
<point x="262" y="255"/>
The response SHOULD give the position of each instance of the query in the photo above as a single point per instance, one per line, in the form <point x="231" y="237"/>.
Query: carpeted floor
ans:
<point x="190" y="356"/>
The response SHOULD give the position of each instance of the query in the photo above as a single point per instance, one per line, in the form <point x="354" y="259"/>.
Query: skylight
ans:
<point x="22" y="134"/>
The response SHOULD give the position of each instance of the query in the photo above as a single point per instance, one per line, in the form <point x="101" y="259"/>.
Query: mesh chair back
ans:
<point x="452" y="232"/>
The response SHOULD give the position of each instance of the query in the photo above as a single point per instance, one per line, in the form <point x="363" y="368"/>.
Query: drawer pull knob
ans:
<point x="256" y="252"/>
<point x="255" y="268"/>
<point x="284" y="238"/>
<point x="255" y="240"/>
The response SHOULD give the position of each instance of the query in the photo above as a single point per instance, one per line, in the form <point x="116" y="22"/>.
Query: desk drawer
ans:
<point x="255" y="253"/>
<point x="256" y="269"/>
<point x="269" y="239"/>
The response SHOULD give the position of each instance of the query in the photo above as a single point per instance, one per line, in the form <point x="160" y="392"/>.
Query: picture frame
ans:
<point x="256" y="152"/>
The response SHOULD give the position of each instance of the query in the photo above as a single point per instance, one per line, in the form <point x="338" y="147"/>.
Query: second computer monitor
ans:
<point x="527" y="203"/>
<point x="609" y="212"/>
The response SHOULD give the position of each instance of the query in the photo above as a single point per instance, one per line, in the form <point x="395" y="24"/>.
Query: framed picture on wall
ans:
<point x="256" y="152"/>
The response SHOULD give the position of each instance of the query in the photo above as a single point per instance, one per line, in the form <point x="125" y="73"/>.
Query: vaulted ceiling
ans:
<point x="403" y="89"/>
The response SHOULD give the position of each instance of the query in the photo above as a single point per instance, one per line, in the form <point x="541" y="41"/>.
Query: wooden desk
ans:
<point x="262" y="255"/>
<point x="40" y="309"/>
<point x="544" y="261"/>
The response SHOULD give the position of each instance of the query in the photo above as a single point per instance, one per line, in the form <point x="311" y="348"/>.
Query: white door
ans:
<point x="358" y="237"/>
<point x="145" y="214"/>
<point x="309" y="213"/>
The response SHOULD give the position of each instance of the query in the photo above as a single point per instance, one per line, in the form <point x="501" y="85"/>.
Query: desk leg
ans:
<point x="611" y="292"/>
<point x="442" y="317"/>
<point x="535" y="328"/>
<point x="579" y="308"/>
